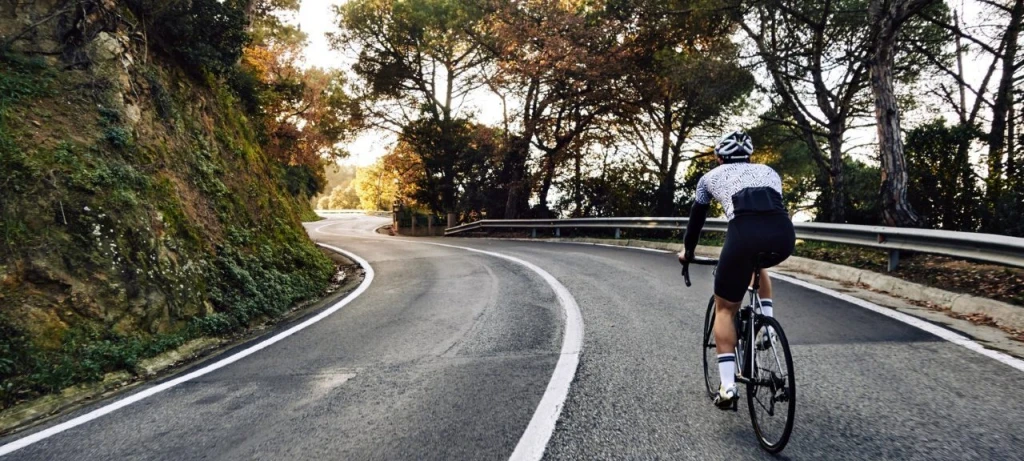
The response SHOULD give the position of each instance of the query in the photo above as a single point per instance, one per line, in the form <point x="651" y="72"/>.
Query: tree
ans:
<point x="886" y="19"/>
<point x="816" y="56"/>
<point x="396" y="176"/>
<point x="305" y="113"/>
<point x="556" y="61"/>
<point x="995" y="36"/>
<point x="419" y="60"/>
<point x="342" y="197"/>
<point x="207" y="35"/>
<point x="1001" y="136"/>
<point x="690" y="84"/>
<point x="781" y="147"/>
<point x="943" y="188"/>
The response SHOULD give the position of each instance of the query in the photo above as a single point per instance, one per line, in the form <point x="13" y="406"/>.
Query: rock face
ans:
<point x="138" y="204"/>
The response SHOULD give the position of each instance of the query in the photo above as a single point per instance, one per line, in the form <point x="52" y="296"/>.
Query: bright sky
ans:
<point x="317" y="18"/>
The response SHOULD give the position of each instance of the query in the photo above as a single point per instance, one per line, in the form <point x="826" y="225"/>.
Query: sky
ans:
<point x="317" y="18"/>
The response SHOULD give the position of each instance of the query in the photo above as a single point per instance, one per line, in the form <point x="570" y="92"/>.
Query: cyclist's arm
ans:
<point x="698" y="214"/>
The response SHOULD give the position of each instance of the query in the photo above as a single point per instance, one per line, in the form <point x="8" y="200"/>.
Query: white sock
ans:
<point x="727" y="369"/>
<point x="766" y="307"/>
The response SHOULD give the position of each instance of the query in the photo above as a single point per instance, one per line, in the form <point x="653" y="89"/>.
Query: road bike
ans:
<point x="763" y="363"/>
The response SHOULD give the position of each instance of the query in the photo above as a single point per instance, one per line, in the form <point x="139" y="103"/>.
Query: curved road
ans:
<point x="448" y="353"/>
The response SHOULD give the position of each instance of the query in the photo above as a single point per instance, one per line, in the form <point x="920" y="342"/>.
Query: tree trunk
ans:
<point x="1011" y="146"/>
<point x="665" y="196"/>
<point x="577" y="186"/>
<point x="836" y="176"/>
<point x="886" y="21"/>
<point x="1000" y="109"/>
<point x="515" y="160"/>
<point x="545" y="187"/>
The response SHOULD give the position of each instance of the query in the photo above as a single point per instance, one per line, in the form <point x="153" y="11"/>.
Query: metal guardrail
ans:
<point x="381" y="214"/>
<point x="1000" y="249"/>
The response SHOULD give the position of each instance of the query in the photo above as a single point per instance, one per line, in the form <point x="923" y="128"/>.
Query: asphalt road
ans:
<point x="448" y="353"/>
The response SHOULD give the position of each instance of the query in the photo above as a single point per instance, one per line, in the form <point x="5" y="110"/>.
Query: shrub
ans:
<point x="208" y="35"/>
<point x="118" y="136"/>
<point x="302" y="180"/>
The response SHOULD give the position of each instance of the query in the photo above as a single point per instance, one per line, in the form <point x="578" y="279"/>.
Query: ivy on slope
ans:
<point x="122" y="239"/>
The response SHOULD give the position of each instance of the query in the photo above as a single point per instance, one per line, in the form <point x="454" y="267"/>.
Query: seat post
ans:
<point x="757" y="278"/>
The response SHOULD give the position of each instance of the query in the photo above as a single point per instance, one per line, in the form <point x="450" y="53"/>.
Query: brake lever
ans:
<point x="686" y="274"/>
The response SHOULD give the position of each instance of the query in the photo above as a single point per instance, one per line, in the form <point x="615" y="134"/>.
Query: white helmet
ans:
<point x="735" y="146"/>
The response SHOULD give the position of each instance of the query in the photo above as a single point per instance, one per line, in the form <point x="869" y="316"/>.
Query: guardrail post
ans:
<point x="558" y="232"/>
<point x="894" y="259"/>
<point x="618" y="233"/>
<point x="533" y="233"/>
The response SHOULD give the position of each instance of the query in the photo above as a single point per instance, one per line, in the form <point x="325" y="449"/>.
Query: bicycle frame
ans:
<point x="745" y="331"/>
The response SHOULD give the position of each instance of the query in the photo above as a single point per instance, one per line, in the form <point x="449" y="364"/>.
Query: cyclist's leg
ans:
<point x="734" y="267"/>
<point x="777" y="237"/>
<point x="725" y="330"/>
<point x="764" y="293"/>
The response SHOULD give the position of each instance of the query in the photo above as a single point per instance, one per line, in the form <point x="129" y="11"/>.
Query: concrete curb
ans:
<point x="1004" y="314"/>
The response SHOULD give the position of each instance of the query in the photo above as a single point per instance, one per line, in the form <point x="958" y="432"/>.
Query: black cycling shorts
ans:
<point x="749" y="235"/>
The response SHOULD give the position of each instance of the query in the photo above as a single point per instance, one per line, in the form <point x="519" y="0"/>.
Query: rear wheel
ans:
<point x="711" y="379"/>
<point x="771" y="393"/>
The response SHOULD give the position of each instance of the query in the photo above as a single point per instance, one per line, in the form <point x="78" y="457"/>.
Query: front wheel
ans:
<point x="771" y="392"/>
<point x="710" y="351"/>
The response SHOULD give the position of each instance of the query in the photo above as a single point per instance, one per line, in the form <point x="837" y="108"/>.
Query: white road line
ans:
<point x="910" y="320"/>
<point x="535" y="439"/>
<point x="99" y="412"/>
<point x="943" y="333"/>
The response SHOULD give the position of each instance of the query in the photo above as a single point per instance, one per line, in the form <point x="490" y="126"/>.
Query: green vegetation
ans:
<point x="116" y="246"/>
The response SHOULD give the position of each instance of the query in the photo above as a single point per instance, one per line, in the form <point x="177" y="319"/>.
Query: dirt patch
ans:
<point x="1000" y="283"/>
<point x="990" y="281"/>
<point x="197" y="208"/>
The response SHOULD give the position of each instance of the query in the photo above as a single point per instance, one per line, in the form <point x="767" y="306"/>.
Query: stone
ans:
<point x="133" y="113"/>
<point x="106" y="47"/>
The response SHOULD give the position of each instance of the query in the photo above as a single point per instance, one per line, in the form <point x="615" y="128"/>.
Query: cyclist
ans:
<point x="751" y="195"/>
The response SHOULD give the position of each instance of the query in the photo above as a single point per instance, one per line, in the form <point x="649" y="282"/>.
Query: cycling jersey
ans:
<point x="725" y="181"/>
<point x="751" y="195"/>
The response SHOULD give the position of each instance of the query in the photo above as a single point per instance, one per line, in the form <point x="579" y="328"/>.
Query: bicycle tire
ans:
<point x="757" y="385"/>
<point x="709" y="352"/>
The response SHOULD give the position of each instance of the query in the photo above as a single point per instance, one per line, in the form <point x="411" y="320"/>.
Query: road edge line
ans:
<point x="943" y="333"/>
<point x="146" y="393"/>
<point x="936" y="330"/>
<point x="533" y="443"/>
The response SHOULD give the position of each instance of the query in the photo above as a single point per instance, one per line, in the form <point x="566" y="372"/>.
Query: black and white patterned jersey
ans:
<point x="726" y="180"/>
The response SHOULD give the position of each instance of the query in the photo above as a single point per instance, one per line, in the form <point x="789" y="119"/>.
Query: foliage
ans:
<point x="152" y="230"/>
<point x="619" y="190"/>
<point x="419" y="54"/>
<point x="342" y="197"/>
<point x="779" y="147"/>
<point x="944" y="187"/>
<point x="303" y="181"/>
<point x="207" y="35"/>
<point x="863" y="205"/>
<point x="340" y="194"/>
<point x="453" y="155"/>
<point x="304" y="113"/>
<point x="686" y="77"/>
